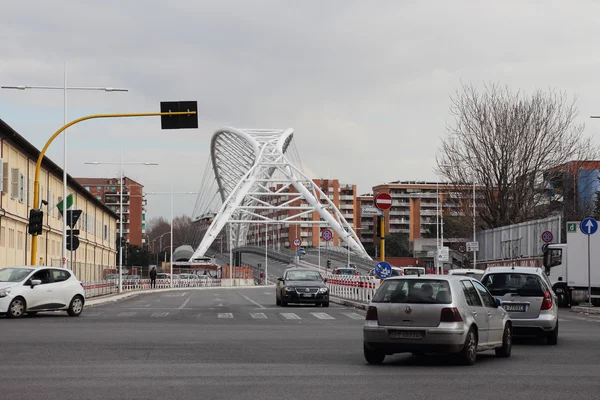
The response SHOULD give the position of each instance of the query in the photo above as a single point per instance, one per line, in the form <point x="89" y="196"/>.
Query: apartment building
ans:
<point x="97" y="223"/>
<point x="366" y="227"/>
<point x="107" y="190"/>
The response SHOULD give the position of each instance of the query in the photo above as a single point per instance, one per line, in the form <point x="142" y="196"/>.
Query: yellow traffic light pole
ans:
<point x="38" y="165"/>
<point x="382" y="237"/>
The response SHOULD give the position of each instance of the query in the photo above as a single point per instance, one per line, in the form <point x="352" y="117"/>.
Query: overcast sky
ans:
<point x="364" y="84"/>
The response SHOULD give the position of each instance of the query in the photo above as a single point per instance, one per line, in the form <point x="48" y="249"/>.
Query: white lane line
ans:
<point x="322" y="315"/>
<point x="181" y="307"/>
<point x="252" y="301"/>
<point x="258" y="315"/>
<point x="353" y="315"/>
<point x="184" y="294"/>
<point x="225" y="315"/>
<point x="268" y="293"/>
<point x="160" y="314"/>
<point x="563" y="320"/>
<point x="289" y="316"/>
<point x="126" y="314"/>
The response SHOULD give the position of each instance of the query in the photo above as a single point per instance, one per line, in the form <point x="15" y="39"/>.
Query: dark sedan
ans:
<point x="300" y="285"/>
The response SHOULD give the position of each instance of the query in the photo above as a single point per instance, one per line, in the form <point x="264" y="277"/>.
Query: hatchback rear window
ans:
<point x="414" y="291"/>
<point x="522" y="284"/>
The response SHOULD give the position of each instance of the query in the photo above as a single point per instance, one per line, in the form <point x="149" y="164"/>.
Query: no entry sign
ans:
<point x="383" y="201"/>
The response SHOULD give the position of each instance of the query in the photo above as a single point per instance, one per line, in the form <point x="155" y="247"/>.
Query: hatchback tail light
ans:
<point x="371" y="314"/>
<point x="547" y="302"/>
<point x="81" y="283"/>
<point x="450" y="315"/>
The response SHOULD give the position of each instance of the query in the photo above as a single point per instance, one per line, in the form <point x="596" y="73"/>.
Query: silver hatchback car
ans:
<point x="526" y="293"/>
<point x="435" y="314"/>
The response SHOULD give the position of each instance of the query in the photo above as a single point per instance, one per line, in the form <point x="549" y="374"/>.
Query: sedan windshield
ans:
<point x="14" y="274"/>
<point x="414" y="291"/>
<point x="303" y="276"/>
<point x="519" y="283"/>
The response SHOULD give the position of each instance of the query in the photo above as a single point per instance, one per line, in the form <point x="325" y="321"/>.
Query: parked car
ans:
<point x="435" y="314"/>
<point x="475" y="273"/>
<point x="527" y="295"/>
<point x="301" y="285"/>
<point x="28" y="290"/>
<point x="345" y="271"/>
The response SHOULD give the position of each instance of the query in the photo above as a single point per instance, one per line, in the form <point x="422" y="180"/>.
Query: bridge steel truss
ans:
<point x="251" y="167"/>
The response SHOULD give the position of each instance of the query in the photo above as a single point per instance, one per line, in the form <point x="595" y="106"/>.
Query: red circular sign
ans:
<point x="547" y="236"/>
<point x="383" y="201"/>
<point x="297" y="242"/>
<point x="327" y="235"/>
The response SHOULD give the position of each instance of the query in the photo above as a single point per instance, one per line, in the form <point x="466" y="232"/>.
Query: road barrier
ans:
<point x="110" y="286"/>
<point x="352" y="287"/>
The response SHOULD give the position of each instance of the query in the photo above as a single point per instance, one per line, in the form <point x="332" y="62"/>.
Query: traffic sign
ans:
<point x="383" y="201"/>
<point x="327" y="235"/>
<point x="462" y="249"/>
<point x="589" y="226"/>
<point x="444" y="254"/>
<point x="297" y="242"/>
<point x="73" y="217"/>
<point x="366" y="211"/>
<point x="472" y="246"/>
<point x="571" y="227"/>
<point x="547" y="236"/>
<point x="383" y="270"/>
<point x="544" y="247"/>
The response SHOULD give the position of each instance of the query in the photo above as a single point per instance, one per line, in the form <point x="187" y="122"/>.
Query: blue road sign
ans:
<point x="547" y="236"/>
<point x="544" y="247"/>
<point x="383" y="270"/>
<point x="589" y="226"/>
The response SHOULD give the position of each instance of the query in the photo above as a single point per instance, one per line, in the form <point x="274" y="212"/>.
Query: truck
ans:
<point x="566" y="265"/>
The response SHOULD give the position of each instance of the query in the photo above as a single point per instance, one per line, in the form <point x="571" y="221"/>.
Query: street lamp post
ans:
<point x="64" y="88"/>
<point x="121" y="174"/>
<point x="172" y="193"/>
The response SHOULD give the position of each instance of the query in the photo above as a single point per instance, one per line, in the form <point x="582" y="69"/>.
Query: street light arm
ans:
<point x="103" y="89"/>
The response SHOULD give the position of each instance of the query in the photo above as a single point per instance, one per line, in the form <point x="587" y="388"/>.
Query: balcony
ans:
<point x="347" y="215"/>
<point x="395" y="212"/>
<point x="346" y="197"/>
<point x="346" y="207"/>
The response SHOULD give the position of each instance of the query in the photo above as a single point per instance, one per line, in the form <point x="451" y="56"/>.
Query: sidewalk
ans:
<point x="586" y="310"/>
<point x="94" y="301"/>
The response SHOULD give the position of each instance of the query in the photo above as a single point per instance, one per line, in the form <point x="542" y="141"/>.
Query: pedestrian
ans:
<point x="153" y="278"/>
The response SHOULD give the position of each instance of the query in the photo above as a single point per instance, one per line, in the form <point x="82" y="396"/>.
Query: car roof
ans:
<point x="466" y="270"/>
<point x="430" y="277"/>
<point x="517" y="268"/>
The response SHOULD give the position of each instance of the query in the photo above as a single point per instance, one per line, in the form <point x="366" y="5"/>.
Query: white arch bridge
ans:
<point x="258" y="183"/>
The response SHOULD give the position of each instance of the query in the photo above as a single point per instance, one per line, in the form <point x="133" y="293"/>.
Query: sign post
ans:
<point x="588" y="227"/>
<point x="383" y="201"/>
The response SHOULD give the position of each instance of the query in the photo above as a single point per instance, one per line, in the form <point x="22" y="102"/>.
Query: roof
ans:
<point x="105" y="181"/>
<point x="19" y="141"/>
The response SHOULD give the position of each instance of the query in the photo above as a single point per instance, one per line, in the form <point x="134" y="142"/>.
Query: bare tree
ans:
<point x="507" y="143"/>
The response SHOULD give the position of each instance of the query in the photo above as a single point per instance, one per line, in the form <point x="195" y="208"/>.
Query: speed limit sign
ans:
<point x="297" y="242"/>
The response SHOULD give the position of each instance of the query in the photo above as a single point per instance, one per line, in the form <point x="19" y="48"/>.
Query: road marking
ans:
<point x="251" y="301"/>
<point x="93" y="314"/>
<point x="225" y="315"/>
<point x="184" y="294"/>
<point x="126" y="314"/>
<point x="258" y="315"/>
<point x="322" y="315"/>
<point x="563" y="320"/>
<point x="160" y="314"/>
<point x="268" y="293"/>
<point x="181" y="307"/>
<point x="290" y="316"/>
<point x="353" y="315"/>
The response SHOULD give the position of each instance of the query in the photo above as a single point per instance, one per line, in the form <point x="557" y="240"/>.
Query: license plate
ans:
<point x="306" y="295"/>
<point x="515" y="307"/>
<point x="415" y="335"/>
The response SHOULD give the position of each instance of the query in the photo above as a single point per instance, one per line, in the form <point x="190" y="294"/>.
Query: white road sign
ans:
<point x="369" y="211"/>
<point x="472" y="246"/>
<point x="444" y="254"/>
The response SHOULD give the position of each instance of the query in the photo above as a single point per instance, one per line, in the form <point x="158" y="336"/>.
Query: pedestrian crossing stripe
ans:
<point x="285" y="315"/>
<point x="126" y="314"/>
<point x="160" y="314"/>
<point x="258" y="315"/>
<point x="290" y="316"/>
<point x="225" y="315"/>
<point x="353" y="315"/>
<point x="322" y="315"/>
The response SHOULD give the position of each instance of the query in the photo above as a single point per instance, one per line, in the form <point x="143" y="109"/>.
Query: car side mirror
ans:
<point x="498" y="302"/>
<point x="280" y="279"/>
<point x="325" y="280"/>
<point x="35" y="282"/>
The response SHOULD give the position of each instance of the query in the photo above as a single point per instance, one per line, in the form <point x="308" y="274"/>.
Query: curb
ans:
<point x="98" y="300"/>
<point x="347" y="303"/>
<point x="586" y="310"/>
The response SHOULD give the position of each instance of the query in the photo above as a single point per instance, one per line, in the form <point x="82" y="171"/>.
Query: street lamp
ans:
<point x="121" y="163"/>
<point x="64" y="88"/>
<point x="172" y="193"/>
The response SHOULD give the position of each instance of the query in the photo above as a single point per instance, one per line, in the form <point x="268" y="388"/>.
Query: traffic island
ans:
<point x="586" y="310"/>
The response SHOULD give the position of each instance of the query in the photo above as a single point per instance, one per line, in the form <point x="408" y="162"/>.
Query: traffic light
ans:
<point x="379" y="222"/>
<point x="72" y="239"/>
<point x="36" y="221"/>
<point x="328" y="263"/>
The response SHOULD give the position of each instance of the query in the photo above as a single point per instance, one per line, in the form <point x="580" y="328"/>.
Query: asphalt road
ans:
<point x="236" y="344"/>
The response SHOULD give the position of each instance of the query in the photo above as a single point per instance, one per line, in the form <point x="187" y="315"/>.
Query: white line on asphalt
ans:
<point x="93" y="314"/>
<point x="126" y="314"/>
<point x="252" y="301"/>
<point x="160" y="314"/>
<point x="353" y="315"/>
<point x="258" y="315"/>
<point x="563" y="320"/>
<point x="290" y="316"/>
<point x="184" y="294"/>
<point x="225" y="315"/>
<point x="268" y="293"/>
<point x="322" y="315"/>
<point x="184" y="303"/>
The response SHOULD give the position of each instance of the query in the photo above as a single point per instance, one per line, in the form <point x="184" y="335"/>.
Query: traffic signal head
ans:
<point x="328" y="263"/>
<point x="36" y="221"/>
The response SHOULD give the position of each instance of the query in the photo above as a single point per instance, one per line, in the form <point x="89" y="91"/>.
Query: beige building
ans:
<point x="97" y="224"/>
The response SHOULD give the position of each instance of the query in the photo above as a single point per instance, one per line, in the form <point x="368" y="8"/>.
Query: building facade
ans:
<point x="107" y="191"/>
<point x="97" y="223"/>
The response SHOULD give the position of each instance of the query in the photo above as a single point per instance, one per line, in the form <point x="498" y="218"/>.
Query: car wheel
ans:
<point x="373" y="357"/>
<point x="506" y="348"/>
<point x="76" y="306"/>
<point x="17" y="308"/>
<point x="468" y="354"/>
<point x="325" y="304"/>
<point x="552" y="337"/>
<point x="283" y="303"/>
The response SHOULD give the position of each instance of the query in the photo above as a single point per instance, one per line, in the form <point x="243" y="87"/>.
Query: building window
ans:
<point x="2" y="236"/>
<point x="114" y="188"/>
<point x="20" y="240"/>
<point x="143" y="217"/>
<point x="87" y="188"/>
<point x="99" y="197"/>
<point x="99" y="188"/>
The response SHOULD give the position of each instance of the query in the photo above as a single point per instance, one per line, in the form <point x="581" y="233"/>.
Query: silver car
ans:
<point x="527" y="295"/>
<point x="435" y="314"/>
